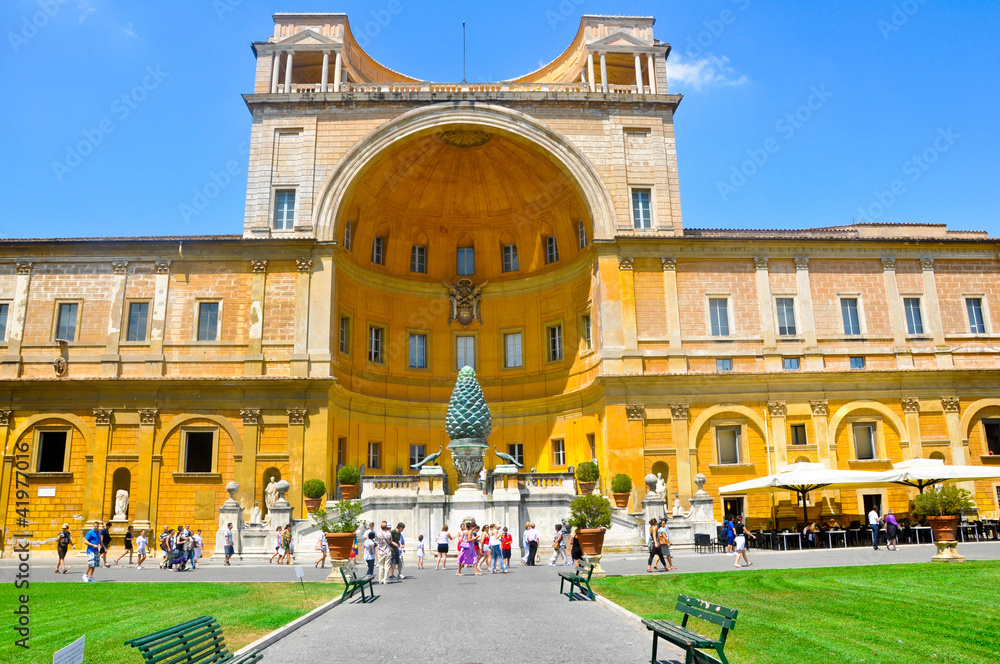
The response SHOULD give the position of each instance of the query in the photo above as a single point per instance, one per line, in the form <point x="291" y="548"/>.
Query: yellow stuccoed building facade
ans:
<point x="398" y="229"/>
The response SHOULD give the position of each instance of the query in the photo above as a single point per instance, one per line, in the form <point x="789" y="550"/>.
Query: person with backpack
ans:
<point x="63" y="542"/>
<point x="128" y="547"/>
<point x="558" y="548"/>
<point x="741" y="541"/>
<point x="663" y="538"/>
<point x="654" y="548"/>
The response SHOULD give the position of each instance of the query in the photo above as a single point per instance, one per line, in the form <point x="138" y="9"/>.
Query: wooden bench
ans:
<point x="198" y="640"/>
<point x="692" y="642"/>
<point x="353" y="582"/>
<point x="577" y="577"/>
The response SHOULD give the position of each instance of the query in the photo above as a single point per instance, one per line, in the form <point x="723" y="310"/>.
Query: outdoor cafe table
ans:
<point x="838" y="533"/>
<point x="768" y="536"/>
<point x="990" y="528"/>
<point x="785" y="536"/>
<point x="916" y="532"/>
<point x="962" y="527"/>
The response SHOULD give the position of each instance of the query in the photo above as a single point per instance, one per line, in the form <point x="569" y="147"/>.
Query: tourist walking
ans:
<point x="278" y="533"/>
<point x="196" y="544"/>
<point x="443" y="538"/>
<point x="63" y="542"/>
<point x="396" y="553"/>
<point x="322" y="547"/>
<point x="105" y="543"/>
<point x="370" y="548"/>
<point x="128" y="547"/>
<point x="420" y="551"/>
<point x="730" y="532"/>
<point x="496" y="552"/>
<point x="140" y="545"/>
<point x="532" y="544"/>
<point x="558" y="549"/>
<point x="891" y="531"/>
<point x="576" y="551"/>
<point x="741" y="542"/>
<point x="505" y="543"/>
<point x="873" y="523"/>
<point x="229" y="548"/>
<point x="286" y="546"/>
<point x="93" y="538"/>
<point x="654" y="548"/>
<point x="663" y="539"/>
<point x="383" y="541"/>
<point x="467" y="551"/>
<point x="163" y="541"/>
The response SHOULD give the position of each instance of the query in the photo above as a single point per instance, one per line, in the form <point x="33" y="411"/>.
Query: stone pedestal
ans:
<point x="230" y="512"/>
<point x="335" y="565"/>
<point x="947" y="553"/>
<point x="119" y="526"/>
<point x="468" y="503"/>
<point x="599" y="572"/>
<point x="432" y="480"/>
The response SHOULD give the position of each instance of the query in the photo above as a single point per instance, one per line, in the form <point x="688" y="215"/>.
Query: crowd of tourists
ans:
<point x="179" y="548"/>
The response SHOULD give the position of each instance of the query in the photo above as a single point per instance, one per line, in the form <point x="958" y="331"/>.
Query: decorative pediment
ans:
<point x="305" y="38"/>
<point x="620" y="39"/>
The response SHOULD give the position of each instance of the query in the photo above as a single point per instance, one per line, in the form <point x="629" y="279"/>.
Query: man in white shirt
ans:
<point x="532" y="537"/>
<point x="874" y="525"/>
<point x="383" y="552"/>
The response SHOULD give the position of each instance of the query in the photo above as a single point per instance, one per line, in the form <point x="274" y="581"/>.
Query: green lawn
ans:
<point x="110" y="613"/>
<point x="925" y="612"/>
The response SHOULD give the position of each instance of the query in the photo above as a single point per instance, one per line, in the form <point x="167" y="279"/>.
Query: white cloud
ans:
<point x="708" y="71"/>
<point x="127" y="30"/>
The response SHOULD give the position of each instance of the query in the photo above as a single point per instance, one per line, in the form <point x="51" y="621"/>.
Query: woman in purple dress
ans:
<point x="467" y="550"/>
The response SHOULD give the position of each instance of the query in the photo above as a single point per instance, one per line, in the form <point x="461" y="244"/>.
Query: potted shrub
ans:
<point x="348" y="478"/>
<point x="586" y="477"/>
<point x="313" y="490"/>
<point x="942" y="508"/>
<point x="591" y="515"/>
<point x="340" y="530"/>
<point x="621" y="487"/>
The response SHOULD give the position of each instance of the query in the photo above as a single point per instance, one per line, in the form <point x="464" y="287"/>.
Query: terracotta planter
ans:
<point x="621" y="499"/>
<point x="340" y="545"/>
<point x="312" y="504"/>
<point x="945" y="528"/>
<point x="348" y="491"/>
<point x="586" y="488"/>
<point x="591" y="540"/>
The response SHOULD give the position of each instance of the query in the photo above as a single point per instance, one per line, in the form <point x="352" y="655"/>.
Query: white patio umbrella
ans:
<point x="922" y="473"/>
<point x="804" y="477"/>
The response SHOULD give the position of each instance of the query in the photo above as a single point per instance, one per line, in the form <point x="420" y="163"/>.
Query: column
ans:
<point x="630" y="330"/>
<point x="288" y="73"/>
<point x="247" y="478"/>
<point x="952" y="418"/>
<point x="777" y="410"/>
<point x="326" y="71"/>
<point x="275" y="72"/>
<point x="300" y="354"/>
<point x="296" y="453"/>
<point x="253" y="362"/>
<point x="97" y="477"/>
<point x="679" y="434"/>
<point x="651" y="72"/>
<point x="147" y="473"/>
<point x="911" y="411"/>
<point x="814" y="359"/>
<point x="154" y="361"/>
<point x="338" y="71"/>
<point x="904" y="359"/>
<point x="820" y="411"/>
<point x="111" y="361"/>
<point x="676" y="360"/>
<point x="604" y="74"/>
<point x="639" y="88"/>
<point x="933" y="310"/>
<point x="8" y="461"/>
<point x="590" y="71"/>
<point x="10" y="364"/>
<point x="764" y="296"/>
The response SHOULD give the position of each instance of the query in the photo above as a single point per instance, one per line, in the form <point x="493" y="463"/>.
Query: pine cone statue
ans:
<point x="468" y="415"/>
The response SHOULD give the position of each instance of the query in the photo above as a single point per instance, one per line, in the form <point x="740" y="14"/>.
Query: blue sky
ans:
<point x="795" y="114"/>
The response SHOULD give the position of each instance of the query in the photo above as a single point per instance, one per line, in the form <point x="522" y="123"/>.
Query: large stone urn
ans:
<point x="468" y="424"/>
<point x="945" y="528"/>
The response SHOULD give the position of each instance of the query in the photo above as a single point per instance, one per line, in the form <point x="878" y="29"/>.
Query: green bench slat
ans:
<point x="576" y="578"/>
<point x="199" y="640"/>
<point x="707" y="616"/>
<point x="674" y="632"/>
<point x="163" y="633"/>
<point x="689" y="640"/>
<point x="353" y="582"/>
<point x="707" y="606"/>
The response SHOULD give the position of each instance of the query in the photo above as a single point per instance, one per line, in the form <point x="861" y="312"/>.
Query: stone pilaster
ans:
<point x="147" y="476"/>
<point x="10" y="364"/>
<point x="777" y="411"/>
<point x="911" y="411"/>
<point x="253" y="361"/>
<point x="155" y="359"/>
<point x="904" y="358"/>
<point x="97" y="473"/>
<point x="247" y="478"/>
<point x="820" y="419"/>
<point x="632" y="365"/>
<point x="679" y="413"/>
<point x="676" y="360"/>
<point x="300" y="354"/>
<point x="296" y="452"/>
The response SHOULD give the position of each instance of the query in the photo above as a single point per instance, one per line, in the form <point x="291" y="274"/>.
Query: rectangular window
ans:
<point x="4" y="309"/>
<point x="341" y="452"/>
<point x="977" y="323"/>
<point x="723" y="365"/>
<point x="864" y="441"/>
<point x="284" y="209"/>
<point x="718" y="308"/>
<point x="417" y="454"/>
<point x="786" y="316"/>
<point x="849" y="312"/>
<point x="992" y="430"/>
<point x="348" y="235"/>
<point x="345" y="335"/>
<point x="799" y="434"/>
<point x="138" y="315"/>
<point x="914" y="321"/>
<point x="790" y="363"/>
<point x="509" y="254"/>
<point x="728" y="439"/>
<point x="208" y="321"/>
<point x="418" y="351"/>
<point x="559" y="452"/>
<point x="555" y="343"/>
<point x="374" y="455"/>
<point x="66" y="321"/>
<point x="198" y="451"/>
<point x="375" y="345"/>
<point x="378" y="250"/>
<point x="588" y="337"/>
<point x="592" y="442"/>
<point x="642" y="216"/>
<point x="465" y="352"/>
<point x="551" y="249"/>
<point x="581" y="233"/>
<point x="857" y="363"/>
<point x="52" y="451"/>
<point x="512" y="350"/>
<point x="466" y="261"/>
<point x="418" y="259"/>
<point x="516" y="450"/>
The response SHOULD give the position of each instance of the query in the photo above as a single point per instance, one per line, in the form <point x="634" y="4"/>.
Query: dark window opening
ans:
<point x="198" y="455"/>
<point x="992" y="428"/>
<point x="51" y="451"/>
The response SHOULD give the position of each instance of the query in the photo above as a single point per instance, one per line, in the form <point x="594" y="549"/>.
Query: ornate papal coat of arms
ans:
<point x="465" y="297"/>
